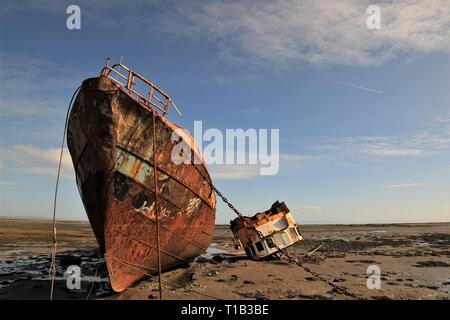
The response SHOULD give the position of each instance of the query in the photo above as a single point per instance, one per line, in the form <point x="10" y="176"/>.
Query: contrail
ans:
<point x="355" y="86"/>
<point x="404" y="185"/>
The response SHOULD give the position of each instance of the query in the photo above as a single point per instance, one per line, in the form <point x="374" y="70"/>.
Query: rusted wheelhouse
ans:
<point x="267" y="232"/>
<point x="146" y="212"/>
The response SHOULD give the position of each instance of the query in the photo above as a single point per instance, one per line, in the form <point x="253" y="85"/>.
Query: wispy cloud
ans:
<point x="404" y="185"/>
<point x="234" y="172"/>
<point x="34" y="97"/>
<point x="309" y="208"/>
<point x="370" y="147"/>
<point x="281" y="33"/>
<point x="287" y="163"/>
<point x="12" y="183"/>
<point x="300" y="158"/>
<point x="288" y="32"/>
<point x="432" y="138"/>
<point x="250" y="111"/>
<point x="33" y="160"/>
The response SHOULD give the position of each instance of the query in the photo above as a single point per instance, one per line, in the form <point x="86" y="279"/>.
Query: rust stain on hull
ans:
<point x="110" y="139"/>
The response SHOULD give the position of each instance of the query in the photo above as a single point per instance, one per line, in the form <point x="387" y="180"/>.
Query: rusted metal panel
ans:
<point x="110" y="140"/>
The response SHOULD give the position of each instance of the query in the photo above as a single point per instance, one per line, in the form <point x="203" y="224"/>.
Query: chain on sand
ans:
<point x="319" y="277"/>
<point x="283" y="253"/>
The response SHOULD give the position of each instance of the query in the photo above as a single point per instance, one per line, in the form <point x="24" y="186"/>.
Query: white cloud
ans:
<point x="12" y="183"/>
<point x="357" y="148"/>
<point x="432" y="138"/>
<point x="280" y="33"/>
<point x="309" y="208"/>
<point x="34" y="97"/>
<point x="386" y="149"/>
<point x="287" y="32"/>
<point x="234" y="172"/>
<point x="404" y="185"/>
<point x="245" y="172"/>
<point x="300" y="158"/>
<point x="250" y="111"/>
<point x="34" y="160"/>
<point x="291" y="162"/>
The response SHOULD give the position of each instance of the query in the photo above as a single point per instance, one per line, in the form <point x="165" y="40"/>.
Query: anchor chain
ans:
<point x="224" y="199"/>
<point x="283" y="252"/>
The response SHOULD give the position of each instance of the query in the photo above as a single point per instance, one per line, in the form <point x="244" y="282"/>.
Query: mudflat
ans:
<point x="414" y="261"/>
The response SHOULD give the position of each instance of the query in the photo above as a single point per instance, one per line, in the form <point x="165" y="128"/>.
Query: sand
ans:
<point x="414" y="260"/>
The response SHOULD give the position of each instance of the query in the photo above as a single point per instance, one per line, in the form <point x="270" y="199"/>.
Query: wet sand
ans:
<point x="414" y="260"/>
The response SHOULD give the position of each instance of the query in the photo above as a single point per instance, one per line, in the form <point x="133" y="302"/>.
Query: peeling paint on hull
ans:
<point x="110" y="140"/>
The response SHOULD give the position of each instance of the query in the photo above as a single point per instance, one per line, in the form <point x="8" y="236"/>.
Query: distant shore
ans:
<point x="225" y="224"/>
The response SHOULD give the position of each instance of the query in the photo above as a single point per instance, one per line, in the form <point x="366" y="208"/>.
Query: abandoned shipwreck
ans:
<point x="147" y="213"/>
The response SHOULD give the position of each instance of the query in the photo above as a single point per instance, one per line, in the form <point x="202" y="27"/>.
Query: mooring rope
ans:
<point x="155" y="175"/>
<point x="93" y="282"/>
<point x="52" y="271"/>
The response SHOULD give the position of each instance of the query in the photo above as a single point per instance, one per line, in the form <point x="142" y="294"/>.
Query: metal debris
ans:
<point x="265" y="233"/>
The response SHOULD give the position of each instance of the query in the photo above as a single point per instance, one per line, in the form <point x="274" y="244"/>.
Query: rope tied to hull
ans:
<point x="52" y="271"/>
<point x="155" y="175"/>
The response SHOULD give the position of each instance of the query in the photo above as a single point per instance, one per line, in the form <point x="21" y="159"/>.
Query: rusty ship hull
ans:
<point x="110" y="139"/>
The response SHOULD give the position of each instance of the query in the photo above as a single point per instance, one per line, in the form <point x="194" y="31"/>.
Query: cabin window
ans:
<point x="277" y="239"/>
<point x="259" y="246"/>
<point x="285" y="238"/>
<point x="293" y="232"/>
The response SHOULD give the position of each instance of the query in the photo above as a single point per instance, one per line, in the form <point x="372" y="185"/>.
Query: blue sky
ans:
<point x="364" y="115"/>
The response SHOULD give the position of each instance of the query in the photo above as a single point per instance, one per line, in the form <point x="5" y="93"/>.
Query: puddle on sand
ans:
<point x="212" y="250"/>
<point x="218" y="253"/>
<point x="445" y="286"/>
<point x="334" y="238"/>
<point x="36" y="267"/>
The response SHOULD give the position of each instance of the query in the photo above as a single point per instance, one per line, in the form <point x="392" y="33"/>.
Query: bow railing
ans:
<point x="135" y="85"/>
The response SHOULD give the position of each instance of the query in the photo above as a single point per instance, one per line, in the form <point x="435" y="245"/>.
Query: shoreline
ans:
<point x="369" y="224"/>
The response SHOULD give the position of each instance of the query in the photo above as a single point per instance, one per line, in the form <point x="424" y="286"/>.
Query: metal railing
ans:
<point x="129" y="80"/>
